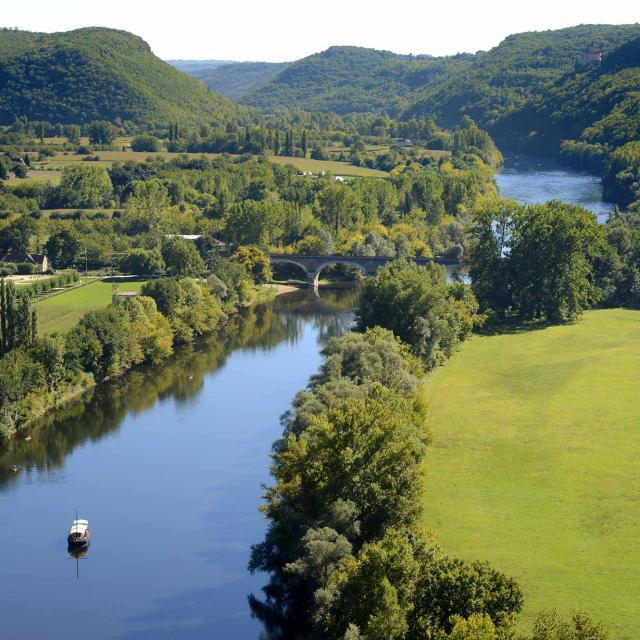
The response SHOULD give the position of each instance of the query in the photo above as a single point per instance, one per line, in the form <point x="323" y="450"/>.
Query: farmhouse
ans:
<point x="40" y="261"/>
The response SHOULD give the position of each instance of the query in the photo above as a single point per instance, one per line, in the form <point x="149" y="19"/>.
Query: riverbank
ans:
<point x="146" y="323"/>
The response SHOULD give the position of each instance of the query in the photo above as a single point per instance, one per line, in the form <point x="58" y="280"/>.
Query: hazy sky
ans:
<point x="278" y="30"/>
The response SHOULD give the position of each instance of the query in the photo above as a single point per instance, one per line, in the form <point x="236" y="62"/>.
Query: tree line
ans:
<point x="552" y="261"/>
<point x="420" y="210"/>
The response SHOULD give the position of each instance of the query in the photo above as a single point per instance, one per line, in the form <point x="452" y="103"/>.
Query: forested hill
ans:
<point x="486" y="86"/>
<point x="236" y="79"/>
<point x="353" y="80"/>
<point x="595" y="109"/>
<point x="519" y="68"/>
<point x="96" y="73"/>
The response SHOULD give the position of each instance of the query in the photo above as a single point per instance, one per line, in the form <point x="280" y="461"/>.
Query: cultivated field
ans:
<point x="62" y="311"/>
<point x="536" y="463"/>
<point x="107" y="158"/>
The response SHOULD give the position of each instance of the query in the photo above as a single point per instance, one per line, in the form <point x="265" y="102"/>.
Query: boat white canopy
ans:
<point x="79" y="528"/>
<point x="84" y="522"/>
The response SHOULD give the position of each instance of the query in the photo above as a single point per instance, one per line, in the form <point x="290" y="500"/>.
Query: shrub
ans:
<point x="25" y="268"/>
<point x="146" y="142"/>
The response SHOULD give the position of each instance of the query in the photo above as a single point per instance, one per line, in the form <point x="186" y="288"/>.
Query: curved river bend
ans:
<point x="168" y="472"/>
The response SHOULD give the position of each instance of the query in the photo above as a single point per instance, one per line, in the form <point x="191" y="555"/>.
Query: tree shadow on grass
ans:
<point x="517" y="325"/>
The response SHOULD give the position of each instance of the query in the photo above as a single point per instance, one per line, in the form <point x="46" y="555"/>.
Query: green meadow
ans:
<point x="535" y="465"/>
<point x="58" y="313"/>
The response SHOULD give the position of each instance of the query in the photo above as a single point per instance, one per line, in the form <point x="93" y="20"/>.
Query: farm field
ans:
<point x="107" y="158"/>
<point x="536" y="461"/>
<point x="60" y="312"/>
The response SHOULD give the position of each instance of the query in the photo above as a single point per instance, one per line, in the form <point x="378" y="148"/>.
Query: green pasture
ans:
<point x="58" y="313"/>
<point x="536" y="463"/>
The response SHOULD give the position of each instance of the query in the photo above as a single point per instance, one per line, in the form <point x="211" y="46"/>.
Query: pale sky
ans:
<point x="277" y="30"/>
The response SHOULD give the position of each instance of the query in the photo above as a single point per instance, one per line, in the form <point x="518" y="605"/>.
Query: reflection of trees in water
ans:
<point x="102" y="410"/>
<point x="331" y="312"/>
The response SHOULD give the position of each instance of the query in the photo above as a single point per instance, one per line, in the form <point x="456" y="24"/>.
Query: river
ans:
<point x="168" y="472"/>
<point x="531" y="180"/>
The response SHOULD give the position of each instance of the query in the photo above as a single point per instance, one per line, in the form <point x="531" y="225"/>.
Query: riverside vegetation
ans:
<point x="345" y="507"/>
<point x="345" y="549"/>
<point x="39" y="372"/>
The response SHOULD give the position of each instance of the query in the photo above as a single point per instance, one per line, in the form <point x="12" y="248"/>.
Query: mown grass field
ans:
<point x="60" y="312"/>
<point x="328" y="166"/>
<point x="536" y="463"/>
<point x="107" y="158"/>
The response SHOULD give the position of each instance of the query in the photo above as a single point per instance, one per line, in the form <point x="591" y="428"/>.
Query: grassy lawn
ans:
<point x="536" y="463"/>
<point x="61" y="312"/>
<point x="329" y="166"/>
<point x="37" y="176"/>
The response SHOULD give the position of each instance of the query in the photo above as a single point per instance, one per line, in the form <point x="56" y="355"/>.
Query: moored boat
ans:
<point x="79" y="534"/>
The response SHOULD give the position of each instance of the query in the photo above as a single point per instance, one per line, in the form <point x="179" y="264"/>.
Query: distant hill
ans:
<point x="95" y="73"/>
<point x="522" y="66"/>
<point x="486" y="86"/>
<point x="236" y="79"/>
<point x="353" y="80"/>
<point x="194" y="67"/>
<point x="598" y="107"/>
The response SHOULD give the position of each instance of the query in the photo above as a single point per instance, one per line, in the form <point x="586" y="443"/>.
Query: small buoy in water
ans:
<point x="27" y="439"/>
<point x="14" y="468"/>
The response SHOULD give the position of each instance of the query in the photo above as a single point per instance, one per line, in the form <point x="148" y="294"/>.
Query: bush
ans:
<point x="7" y="268"/>
<point x="25" y="268"/>
<point x="146" y="142"/>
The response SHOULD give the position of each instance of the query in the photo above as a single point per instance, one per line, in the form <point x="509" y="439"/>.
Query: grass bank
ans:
<point x="536" y="461"/>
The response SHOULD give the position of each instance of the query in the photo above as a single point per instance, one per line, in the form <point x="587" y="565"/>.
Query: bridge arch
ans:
<point x="314" y="278"/>
<point x="299" y="266"/>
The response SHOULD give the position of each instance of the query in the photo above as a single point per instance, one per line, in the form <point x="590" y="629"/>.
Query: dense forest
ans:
<point x="485" y="86"/>
<point x="97" y="74"/>
<point x="352" y="80"/>
<point x="420" y="210"/>
<point x="595" y="108"/>
<point x="521" y="67"/>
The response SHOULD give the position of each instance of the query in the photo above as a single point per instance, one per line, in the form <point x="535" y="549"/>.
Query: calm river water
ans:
<point x="529" y="180"/>
<point x="168" y="472"/>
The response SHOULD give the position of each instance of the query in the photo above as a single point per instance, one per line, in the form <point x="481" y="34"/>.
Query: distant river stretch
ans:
<point x="529" y="181"/>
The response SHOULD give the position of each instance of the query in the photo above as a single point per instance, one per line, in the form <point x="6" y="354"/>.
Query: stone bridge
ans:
<point x="313" y="265"/>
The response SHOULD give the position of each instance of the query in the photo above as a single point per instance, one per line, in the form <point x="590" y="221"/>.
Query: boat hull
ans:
<point x="77" y="543"/>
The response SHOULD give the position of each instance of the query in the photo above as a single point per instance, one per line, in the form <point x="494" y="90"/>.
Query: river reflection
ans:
<point x="168" y="471"/>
